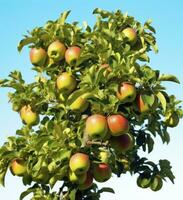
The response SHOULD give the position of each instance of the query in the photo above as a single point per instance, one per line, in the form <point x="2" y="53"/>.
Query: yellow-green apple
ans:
<point x="79" y="163"/>
<point x="18" y="167"/>
<point x="96" y="126"/>
<point x="126" y="164"/>
<point x="156" y="183"/>
<point x="72" y="54"/>
<point x="56" y="51"/>
<point x="28" y="116"/>
<point x="118" y="125"/>
<point x="126" y="92"/>
<point x="130" y="34"/>
<point x="104" y="156"/>
<point x="79" y="179"/>
<point x="66" y="82"/>
<point x="80" y="104"/>
<point x="145" y="102"/>
<point x="38" y="56"/>
<point x="172" y="119"/>
<point x="143" y="182"/>
<point x="122" y="143"/>
<point x="102" y="172"/>
<point x="88" y="182"/>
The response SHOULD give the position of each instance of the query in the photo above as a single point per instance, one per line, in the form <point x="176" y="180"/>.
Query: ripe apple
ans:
<point x="18" y="167"/>
<point x="79" y="163"/>
<point x="102" y="172"/>
<point x="38" y="56"/>
<point x="122" y="143"/>
<point x="143" y="182"/>
<point x="156" y="183"/>
<point x="72" y="54"/>
<point x="130" y="34"/>
<point x="145" y="106"/>
<point x="66" y="82"/>
<point x="88" y="182"/>
<point x="80" y="104"/>
<point x="79" y="179"/>
<point x="96" y="126"/>
<point x="172" y="119"/>
<point x="28" y="116"/>
<point x="56" y="51"/>
<point x="126" y="92"/>
<point x="118" y="125"/>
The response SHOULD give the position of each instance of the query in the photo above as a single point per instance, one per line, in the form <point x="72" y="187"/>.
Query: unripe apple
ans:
<point x="143" y="182"/>
<point x="78" y="179"/>
<point x="126" y="164"/>
<point x="126" y="92"/>
<point x="102" y="172"/>
<point x="144" y="106"/>
<point x="104" y="156"/>
<point x="79" y="163"/>
<point x="56" y="51"/>
<point x="156" y="184"/>
<point x="88" y="182"/>
<point x="118" y="125"/>
<point x="28" y="116"/>
<point x="96" y="126"/>
<point x="122" y="143"/>
<point x="18" y="167"/>
<point x="130" y="34"/>
<point x="66" y="82"/>
<point x="38" y="56"/>
<point x="80" y="104"/>
<point x="172" y="119"/>
<point x="72" y="54"/>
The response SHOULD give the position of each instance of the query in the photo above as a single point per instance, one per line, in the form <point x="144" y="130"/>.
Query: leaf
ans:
<point x="72" y="194"/>
<point x="169" y="77"/>
<point x="26" y="41"/>
<point x="106" y="189"/>
<point x="63" y="17"/>
<point x="2" y="177"/>
<point x="162" y="99"/>
<point x="150" y="143"/>
<point x="27" y="192"/>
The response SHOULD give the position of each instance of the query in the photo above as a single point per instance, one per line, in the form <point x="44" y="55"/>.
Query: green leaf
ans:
<point x="26" y="41"/>
<point x="150" y="143"/>
<point x="169" y="77"/>
<point x="106" y="189"/>
<point x="2" y="177"/>
<point x="72" y="194"/>
<point x="63" y="17"/>
<point x="162" y="99"/>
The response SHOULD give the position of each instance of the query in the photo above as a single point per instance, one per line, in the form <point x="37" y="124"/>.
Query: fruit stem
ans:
<point x="105" y="144"/>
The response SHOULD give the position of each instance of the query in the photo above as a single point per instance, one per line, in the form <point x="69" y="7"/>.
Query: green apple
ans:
<point x="172" y="119"/>
<point x="156" y="183"/>
<point x="96" y="126"/>
<point x="130" y="34"/>
<point x="78" y="179"/>
<point x="143" y="182"/>
<point x="79" y="163"/>
<point x="80" y="104"/>
<point x="126" y="164"/>
<point x="88" y="182"/>
<point x="56" y="51"/>
<point x="126" y="92"/>
<point x="102" y="172"/>
<point x="38" y="56"/>
<point x="118" y="125"/>
<point x="72" y="54"/>
<point x="18" y="167"/>
<point x="66" y="82"/>
<point x="28" y="116"/>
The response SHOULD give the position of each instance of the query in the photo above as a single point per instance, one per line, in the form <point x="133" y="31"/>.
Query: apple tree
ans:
<point x="94" y="104"/>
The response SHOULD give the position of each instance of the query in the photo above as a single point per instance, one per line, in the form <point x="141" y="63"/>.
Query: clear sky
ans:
<point x="16" y="17"/>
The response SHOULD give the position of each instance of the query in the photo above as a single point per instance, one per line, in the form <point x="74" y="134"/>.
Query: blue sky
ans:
<point x="16" y="17"/>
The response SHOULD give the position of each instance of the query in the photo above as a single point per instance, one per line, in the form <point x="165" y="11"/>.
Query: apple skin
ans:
<point x="38" y="56"/>
<point x="66" y="82"/>
<point x="72" y="54"/>
<point x="79" y="163"/>
<point x="156" y="184"/>
<point x="80" y="104"/>
<point x="102" y="172"/>
<point x="143" y="182"/>
<point x="126" y="92"/>
<point x="118" y="125"/>
<point x="172" y="119"/>
<point x="56" y="51"/>
<point x="122" y="143"/>
<point x="143" y="107"/>
<point x="88" y="182"/>
<point x="130" y="34"/>
<point x="28" y="116"/>
<point x="96" y="126"/>
<point x="78" y="179"/>
<point x="18" y="167"/>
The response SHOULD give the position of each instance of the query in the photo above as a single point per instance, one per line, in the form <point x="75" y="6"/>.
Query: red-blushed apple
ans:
<point x="130" y="34"/>
<point x="88" y="182"/>
<point x="79" y="163"/>
<point x="156" y="183"/>
<point x="117" y="124"/>
<point x="28" y="116"/>
<point x="56" y="51"/>
<point x="145" y="102"/>
<point x="66" y="82"/>
<point x="172" y="119"/>
<point x="102" y="172"/>
<point x="126" y="92"/>
<point x="78" y="179"/>
<point x="80" y="104"/>
<point x="72" y="54"/>
<point x="18" y="167"/>
<point x="96" y="126"/>
<point x="143" y="182"/>
<point x="122" y="143"/>
<point x="38" y="56"/>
